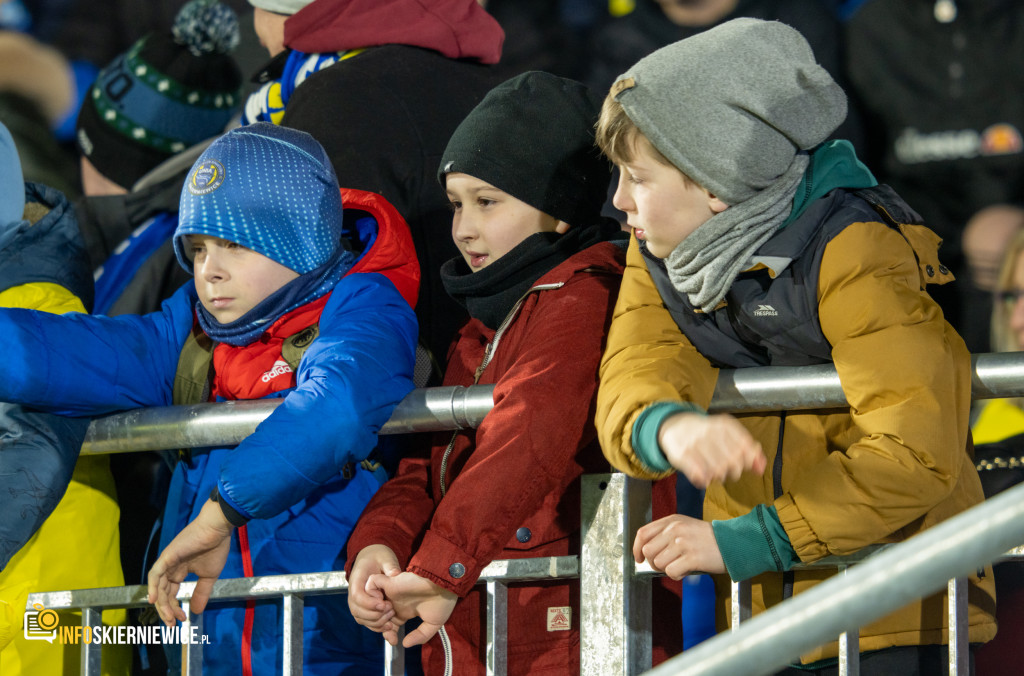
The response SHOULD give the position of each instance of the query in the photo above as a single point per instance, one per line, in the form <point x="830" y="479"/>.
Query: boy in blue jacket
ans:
<point x="294" y="298"/>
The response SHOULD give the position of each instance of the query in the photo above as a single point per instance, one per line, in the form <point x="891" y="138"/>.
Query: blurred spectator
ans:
<point x="35" y="94"/>
<point x="999" y="449"/>
<point x="58" y="529"/>
<point x="938" y="83"/>
<point x="545" y="35"/>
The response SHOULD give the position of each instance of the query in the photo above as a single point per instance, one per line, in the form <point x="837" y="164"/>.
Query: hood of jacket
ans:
<point x="459" y="29"/>
<point x="47" y="247"/>
<point x="385" y="240"/>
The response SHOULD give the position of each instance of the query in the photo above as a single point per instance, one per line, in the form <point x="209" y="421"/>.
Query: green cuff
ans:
<point x="644" y="438"/>
<point x="754" y="543"/>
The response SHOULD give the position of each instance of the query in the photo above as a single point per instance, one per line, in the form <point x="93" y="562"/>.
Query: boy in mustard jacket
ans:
<point x="757" y="242"/>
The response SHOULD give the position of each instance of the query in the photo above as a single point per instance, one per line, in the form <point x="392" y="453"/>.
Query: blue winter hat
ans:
<point x="269" y="188"/>
<point x="12" y="183"/>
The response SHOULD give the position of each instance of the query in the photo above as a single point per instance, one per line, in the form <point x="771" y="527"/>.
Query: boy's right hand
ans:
<point x="710" y="448"/>
<point x="365" y="601"/>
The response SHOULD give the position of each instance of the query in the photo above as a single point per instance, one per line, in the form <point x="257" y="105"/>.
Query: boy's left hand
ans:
<point x="415" y="596"/>
<point x="678" y="545"/>
<point x="201" y="548"/>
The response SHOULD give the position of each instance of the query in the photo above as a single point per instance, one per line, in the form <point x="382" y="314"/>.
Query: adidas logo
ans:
<point x="765" y="311"/>
<point x="280" y="367"/>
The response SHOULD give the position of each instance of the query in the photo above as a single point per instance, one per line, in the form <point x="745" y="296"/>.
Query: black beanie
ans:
<point x="533" y="137"/>
<point x="168" y="92"/>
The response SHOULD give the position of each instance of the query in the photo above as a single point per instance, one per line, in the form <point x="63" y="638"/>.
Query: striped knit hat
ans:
<point x="271" y="189"/>
<point x="168" y="92"/>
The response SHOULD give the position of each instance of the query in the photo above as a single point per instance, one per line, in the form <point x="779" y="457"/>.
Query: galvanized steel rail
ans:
<point x="748" y="390"/>
<point x="615" y="594"/>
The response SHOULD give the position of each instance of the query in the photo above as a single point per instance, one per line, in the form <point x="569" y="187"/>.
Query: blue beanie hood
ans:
<point x="269" y="188"/>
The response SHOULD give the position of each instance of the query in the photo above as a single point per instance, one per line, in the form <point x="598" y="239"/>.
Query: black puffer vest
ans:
<point x="774" y="322"/>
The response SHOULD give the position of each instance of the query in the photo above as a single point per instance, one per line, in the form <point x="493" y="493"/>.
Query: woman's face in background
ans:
<point x="1016" y="298"/>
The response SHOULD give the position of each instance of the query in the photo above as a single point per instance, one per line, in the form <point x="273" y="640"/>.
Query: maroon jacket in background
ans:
<point x="385" y="115"/>
<point x="513" y="484"/>
<point x="459" y="29"/>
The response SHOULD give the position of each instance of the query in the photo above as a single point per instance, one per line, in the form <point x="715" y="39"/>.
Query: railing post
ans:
<point x="959" y="660"/>
<point x="497" y="628"/>
<point x="741" y="606"/>
<point x="615" y="603"/>
<point x="291" y="662"/>
<point x="394" y="656"/>
<point x="191" y="653"/>
<point x="849" y="646"/>
<point x="92" y="652"/>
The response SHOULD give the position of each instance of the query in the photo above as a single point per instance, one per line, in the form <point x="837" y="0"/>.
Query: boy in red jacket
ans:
<point x="539" y="273"/>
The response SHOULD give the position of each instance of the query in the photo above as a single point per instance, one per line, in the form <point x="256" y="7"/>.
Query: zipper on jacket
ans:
<point x="787" y="577"/>
<point x="488" y="355"/>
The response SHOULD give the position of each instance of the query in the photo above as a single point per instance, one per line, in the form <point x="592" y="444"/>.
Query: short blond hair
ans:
<point x="619" y="138"/>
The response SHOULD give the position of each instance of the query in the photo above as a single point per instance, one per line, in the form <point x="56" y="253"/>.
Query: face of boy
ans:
<point x="231" y="279"/>
<point x="488" y="222"/>
<point x="662" y="206"/>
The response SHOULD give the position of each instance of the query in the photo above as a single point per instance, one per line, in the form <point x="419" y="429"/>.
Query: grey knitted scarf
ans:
<point x="706" y="263"/>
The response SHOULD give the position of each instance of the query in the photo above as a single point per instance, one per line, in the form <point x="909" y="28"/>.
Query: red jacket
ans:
<point x="517" y="474"/>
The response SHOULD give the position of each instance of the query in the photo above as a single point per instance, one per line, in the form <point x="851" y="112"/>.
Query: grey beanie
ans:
<point x="732" y="106"/>
<point x="288" y="7"/>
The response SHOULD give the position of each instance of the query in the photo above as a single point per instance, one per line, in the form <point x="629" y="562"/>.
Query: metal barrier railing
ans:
<point x="446" y="408"/>
<point x="615" y="621"/>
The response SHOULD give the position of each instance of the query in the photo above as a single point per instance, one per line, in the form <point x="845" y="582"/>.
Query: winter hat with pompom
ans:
<point x="165" y="94"/>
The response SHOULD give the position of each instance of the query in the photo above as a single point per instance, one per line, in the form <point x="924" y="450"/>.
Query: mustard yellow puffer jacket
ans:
<point x="891" y="466"/>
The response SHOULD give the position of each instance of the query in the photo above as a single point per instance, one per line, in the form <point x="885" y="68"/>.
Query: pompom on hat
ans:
<point x="533" y="137"/>
<point x="167" y="93"/>
<point x="271" y="189"/>
<point x="732" y="106"/>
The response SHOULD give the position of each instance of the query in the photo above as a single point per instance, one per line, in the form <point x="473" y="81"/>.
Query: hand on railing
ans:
<point x="201" y="548"/>
<point x="678" y="545"/>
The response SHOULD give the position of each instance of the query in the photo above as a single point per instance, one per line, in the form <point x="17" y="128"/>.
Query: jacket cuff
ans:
<point x="232" y="512"/>
<point x="446" y="564"/>
<point x="754" y="543"/>
<point x="644" y="437"/>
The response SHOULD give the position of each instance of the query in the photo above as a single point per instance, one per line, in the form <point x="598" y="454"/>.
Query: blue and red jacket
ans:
<point x="288" y="476"/>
